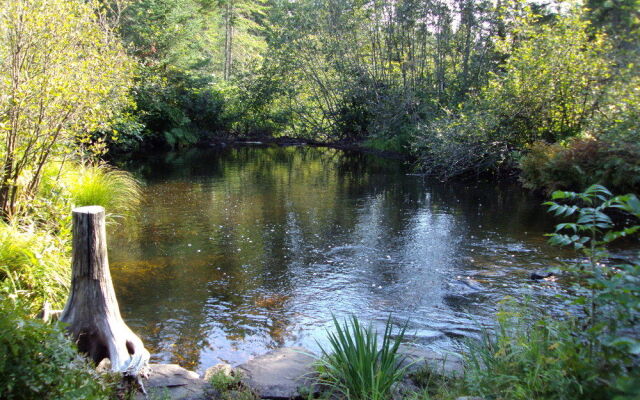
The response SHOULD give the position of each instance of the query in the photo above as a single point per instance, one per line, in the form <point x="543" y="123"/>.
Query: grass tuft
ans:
<point x="357" y="366"/>
<point x="230" y="386"/>
<point x="99" y="184"/>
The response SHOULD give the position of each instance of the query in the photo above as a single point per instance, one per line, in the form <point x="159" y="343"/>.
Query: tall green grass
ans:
<point x="35" y="245"/>
<point x="99" y="184"/>
<point x="357" y="365"/>
<point x="33" y="264"/>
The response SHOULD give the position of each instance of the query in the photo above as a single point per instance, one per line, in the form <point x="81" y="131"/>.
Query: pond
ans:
<point x="239" y="251"/>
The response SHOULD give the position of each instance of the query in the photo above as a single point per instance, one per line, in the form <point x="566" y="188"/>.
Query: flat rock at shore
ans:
<point x="175" y="382"/>
<point x="279" y="374"/>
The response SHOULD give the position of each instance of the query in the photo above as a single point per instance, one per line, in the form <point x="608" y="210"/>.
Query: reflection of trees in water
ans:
<point x="506" y="208"/>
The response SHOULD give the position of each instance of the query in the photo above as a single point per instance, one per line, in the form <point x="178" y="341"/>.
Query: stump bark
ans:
<point x="92" y="312"/>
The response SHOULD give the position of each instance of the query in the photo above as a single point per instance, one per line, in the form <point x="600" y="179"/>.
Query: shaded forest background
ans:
<point x="464" y="86"/>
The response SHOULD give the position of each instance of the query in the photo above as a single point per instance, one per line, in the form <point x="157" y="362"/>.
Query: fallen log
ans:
<point x="92" y="311"/>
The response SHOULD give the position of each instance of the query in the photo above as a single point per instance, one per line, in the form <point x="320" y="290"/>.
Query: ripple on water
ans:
<point x="239" y="251"/>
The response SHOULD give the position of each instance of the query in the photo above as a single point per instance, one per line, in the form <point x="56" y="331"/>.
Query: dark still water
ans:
<point x="240" y="251"/>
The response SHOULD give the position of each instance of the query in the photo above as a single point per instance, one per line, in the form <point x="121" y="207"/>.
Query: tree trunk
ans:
<point x="92" y="312"/>
<point x="228" y="39"/>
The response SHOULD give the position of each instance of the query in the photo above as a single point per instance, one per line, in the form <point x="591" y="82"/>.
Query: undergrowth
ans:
<point x="35" y="244"/>
<point x="230" y="386"/>
<point x="38" y="361"/>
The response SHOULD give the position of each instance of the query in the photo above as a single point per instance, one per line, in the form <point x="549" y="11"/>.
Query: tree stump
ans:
<point x="92" y="312"/>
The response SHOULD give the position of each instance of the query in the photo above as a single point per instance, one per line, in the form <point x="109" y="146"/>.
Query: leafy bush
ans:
<point x="580" y="162"/>
<point x="87" y="77"/>
<point x="528" y="358"/>
<point x="178" y="109"/>
<point x="37" y="361"/>
<point x="608" y="292"/>
<point x="356" y="366"/>
<point x="592" y="353"/>
<point x="125" y="135"/>
<point x="547" y="89"/>
<point x="461" y="143"/>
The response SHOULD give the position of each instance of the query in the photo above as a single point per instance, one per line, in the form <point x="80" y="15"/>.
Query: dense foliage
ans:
<point x="37" y="360"/>
<point x="63" y="74"/>
<point x="465" y="87"/>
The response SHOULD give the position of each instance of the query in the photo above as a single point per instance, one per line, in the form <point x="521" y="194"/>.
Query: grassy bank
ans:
<point x="37" y="360"/>
<point x="35" y="242"/>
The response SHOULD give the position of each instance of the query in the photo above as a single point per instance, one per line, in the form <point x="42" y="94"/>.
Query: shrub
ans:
<point x="546" y="89"/>
<point x="591" y="354"/>
<point x="37" y="361"/>
<point x="580" y="162"/>
<point x="461" y="143"/>
<point x="609" y="293"/>
<point x="356" y="366"/>
<point x="179" y="109"/>
<point x="528" y="358"/>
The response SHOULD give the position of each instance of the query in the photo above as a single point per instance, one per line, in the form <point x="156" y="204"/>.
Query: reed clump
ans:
<point x="357" y="365"/>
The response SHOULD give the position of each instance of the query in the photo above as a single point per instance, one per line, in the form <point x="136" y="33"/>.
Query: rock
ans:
<point x="223" y="368"/>
<point x="416" y="357"/>
<point x="404" y="389"/>
<point x="177" y="383"/>
<point x="280" y="374"/>
<point x="538" y="275"/>
<point x="465" y="286"/>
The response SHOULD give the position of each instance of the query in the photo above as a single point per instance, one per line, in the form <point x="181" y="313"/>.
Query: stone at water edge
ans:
<point x="176" y="382"/>
<point x="223" y="368"/>
<point x="404" y="389"/>
<point x="448" y="364"/>
<point x="539" y="275"/>
<point x="280" y="374"/>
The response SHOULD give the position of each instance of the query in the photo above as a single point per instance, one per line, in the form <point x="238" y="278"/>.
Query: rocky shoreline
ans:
<point x="285" y="373"/>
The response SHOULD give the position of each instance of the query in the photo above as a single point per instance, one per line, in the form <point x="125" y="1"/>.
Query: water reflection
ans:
<point x="239" y="251"/>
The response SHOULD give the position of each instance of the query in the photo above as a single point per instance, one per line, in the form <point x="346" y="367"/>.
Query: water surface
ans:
<point x="239" y="251"/>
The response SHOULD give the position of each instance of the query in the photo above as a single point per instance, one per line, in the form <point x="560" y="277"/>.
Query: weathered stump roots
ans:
<point x="92" y="312"/>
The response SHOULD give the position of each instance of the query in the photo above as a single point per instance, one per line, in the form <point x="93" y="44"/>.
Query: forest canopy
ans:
<point x="464" y="87"/>
<point x="547" y="91"/>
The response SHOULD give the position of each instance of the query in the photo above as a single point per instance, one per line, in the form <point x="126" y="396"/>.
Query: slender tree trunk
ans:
<point x="228" y="40"/>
